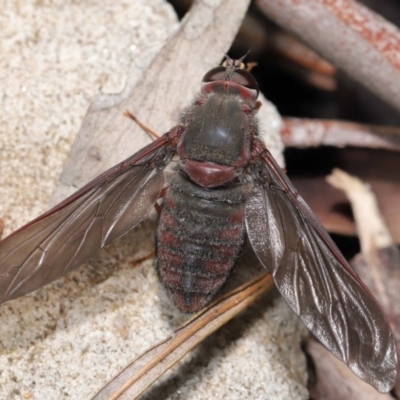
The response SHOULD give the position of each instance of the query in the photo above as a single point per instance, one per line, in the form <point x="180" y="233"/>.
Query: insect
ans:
<point x="227" y="185"/>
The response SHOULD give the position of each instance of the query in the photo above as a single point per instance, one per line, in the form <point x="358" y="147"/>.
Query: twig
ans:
<point x="291" y="48"/>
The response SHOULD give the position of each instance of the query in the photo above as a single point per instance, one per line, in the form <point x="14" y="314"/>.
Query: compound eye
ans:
<point x="215" y="74"/>
<point x="245" y="79"/>
<point x="238" y="81"/>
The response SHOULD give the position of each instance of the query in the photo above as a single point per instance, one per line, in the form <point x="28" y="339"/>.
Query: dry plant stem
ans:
<point x="151" y="365"/>
<point x="372" y="230"/>
<point x="320" y="81"/>
<point x="349" y="35"/>
<point x="305" y="133"/>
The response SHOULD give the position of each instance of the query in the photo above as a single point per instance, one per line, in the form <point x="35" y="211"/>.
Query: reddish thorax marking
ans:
<point x="208" y="174"/>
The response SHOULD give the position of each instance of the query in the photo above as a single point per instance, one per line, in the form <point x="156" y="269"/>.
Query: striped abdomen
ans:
<point x="199" y="237"/>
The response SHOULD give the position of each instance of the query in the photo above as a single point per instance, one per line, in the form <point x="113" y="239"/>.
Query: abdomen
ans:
<point x="199" y="237"/>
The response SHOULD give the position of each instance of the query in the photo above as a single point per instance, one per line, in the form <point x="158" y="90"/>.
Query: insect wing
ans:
<point x="72" y="232"/>
<point x="315" y="279"/>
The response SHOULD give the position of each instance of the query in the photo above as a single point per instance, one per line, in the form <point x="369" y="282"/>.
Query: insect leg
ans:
<point x="162" y="195"/>
<point x="143" y="126"/>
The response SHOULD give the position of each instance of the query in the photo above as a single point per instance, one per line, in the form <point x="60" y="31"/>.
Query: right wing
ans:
<point x="316" y="280"/>
<point x="72" y="232"/>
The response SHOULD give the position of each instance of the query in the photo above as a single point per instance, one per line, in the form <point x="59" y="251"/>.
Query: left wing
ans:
<point x="316" y="280"/>
<point x="65" y="237"/>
